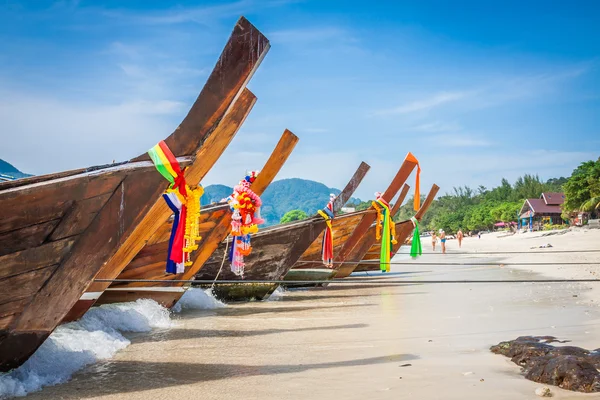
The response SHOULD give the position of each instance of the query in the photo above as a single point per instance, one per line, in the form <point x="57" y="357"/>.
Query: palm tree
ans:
<point x="591" y="205"/>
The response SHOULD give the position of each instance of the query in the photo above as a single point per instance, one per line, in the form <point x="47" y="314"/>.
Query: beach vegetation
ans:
<point x="479" y="209"/>
<point x="293" y="215"/>
<point x="582" y="189"/>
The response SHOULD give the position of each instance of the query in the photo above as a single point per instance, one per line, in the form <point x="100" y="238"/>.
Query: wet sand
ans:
<point x="356" y="341"/>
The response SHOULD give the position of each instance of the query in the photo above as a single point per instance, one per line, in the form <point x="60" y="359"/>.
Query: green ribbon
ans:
<point x="415" y="247"/>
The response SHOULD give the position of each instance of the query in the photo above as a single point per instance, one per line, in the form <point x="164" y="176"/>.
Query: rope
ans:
<point x="376" y="262"/>
<point x="222" y="263"/>
<point x="508" y="252"/>
<point x="381" y="280"/>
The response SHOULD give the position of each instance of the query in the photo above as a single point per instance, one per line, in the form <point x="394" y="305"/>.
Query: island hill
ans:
<point x="282" y="196"/>
<point x="10" y="172"/>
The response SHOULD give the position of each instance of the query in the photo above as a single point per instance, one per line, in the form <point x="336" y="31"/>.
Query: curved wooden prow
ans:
<point x="403" y="229"/>
<point x="280" y="154"/>
<point x="400" y="199"/>
<point x="363" y="226"/>
<point x="369" y="239"/>
<point x="428" y="200"/>
<point x="351" y="186"/>
<point x="240" y="58"/>
<point x="214" y="227"/>
<point x="159" y="214"/>
<point x="111" y="217"/>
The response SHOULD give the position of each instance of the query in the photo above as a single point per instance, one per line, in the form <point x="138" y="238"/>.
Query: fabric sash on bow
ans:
<point x="415" y="247"/>
<point x="176" y="198"/>
<point x="385" y="223"/>
<point x="417" y="200"/>
<point x="327" y="244"/>
<point x="175" y="263"/>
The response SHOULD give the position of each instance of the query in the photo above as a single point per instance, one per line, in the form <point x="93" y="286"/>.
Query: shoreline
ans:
<point x="376" y="341"/>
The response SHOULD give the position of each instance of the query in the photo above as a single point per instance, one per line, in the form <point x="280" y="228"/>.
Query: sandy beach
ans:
<point x="383" y="341"/>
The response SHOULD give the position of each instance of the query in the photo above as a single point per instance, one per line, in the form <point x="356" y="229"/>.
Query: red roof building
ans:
<point x="545" y="210"/>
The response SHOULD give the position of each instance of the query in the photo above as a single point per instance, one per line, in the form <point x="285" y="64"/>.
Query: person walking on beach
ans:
<point x="433" y="240"/>
<point x="459" y="237"/>
<point x="443" y="240"/>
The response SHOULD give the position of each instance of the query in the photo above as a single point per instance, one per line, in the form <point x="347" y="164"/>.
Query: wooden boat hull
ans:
<point x="275" y="250"/>
<point x="273" y="253"/>
<point x="354" y="230"/>
<point x="149" y="263"/>
<point x="58" y="231"/>
<point x="403" y="230"/>
<point x="368" y="240"/>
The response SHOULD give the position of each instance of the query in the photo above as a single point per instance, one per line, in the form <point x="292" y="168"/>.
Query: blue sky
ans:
<point x="476" y="90"/>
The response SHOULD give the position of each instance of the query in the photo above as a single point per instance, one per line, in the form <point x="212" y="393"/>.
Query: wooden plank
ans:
<point x="24" y="285"/>
<point x="79" y="217"/>
<point x="6" y="321"/>
<point x="34" y="258"/>
<point x="25" y="238"/>
<point x="35" y="204"/>
<point x="13" y="307"/>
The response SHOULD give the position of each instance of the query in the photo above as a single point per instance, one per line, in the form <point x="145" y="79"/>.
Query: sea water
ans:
<point x="96" y="336"/>
<point x="198" y="299"/>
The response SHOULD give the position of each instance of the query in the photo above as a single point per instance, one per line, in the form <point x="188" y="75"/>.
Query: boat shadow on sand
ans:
<point x="244" y="311"/>
<point x="184" y="334"/>
<point x="114" y="377"/>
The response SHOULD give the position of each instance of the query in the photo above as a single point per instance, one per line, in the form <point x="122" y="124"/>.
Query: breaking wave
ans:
<point x="277" y="294"/>
<point x="96" y="336"/>
<point x="198" y="299"/>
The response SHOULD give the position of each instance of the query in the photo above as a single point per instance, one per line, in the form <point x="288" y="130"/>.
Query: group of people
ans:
<point x="442" y="236"/>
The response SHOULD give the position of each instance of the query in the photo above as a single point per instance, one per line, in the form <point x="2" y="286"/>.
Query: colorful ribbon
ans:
<point x="417" y="201"/>
<point x="415" y="247"/>
<point x="185" y="204"/>
<point x="385" y="223"/>
<point x="327" y="243"/>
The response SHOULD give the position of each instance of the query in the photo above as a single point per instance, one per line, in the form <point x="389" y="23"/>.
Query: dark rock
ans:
<point x="567" y="367"/>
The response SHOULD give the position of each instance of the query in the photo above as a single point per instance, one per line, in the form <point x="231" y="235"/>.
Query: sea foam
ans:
<point x="96" y="336"/>
<point x="277" y="294"/>
<point x="198" y="299"/>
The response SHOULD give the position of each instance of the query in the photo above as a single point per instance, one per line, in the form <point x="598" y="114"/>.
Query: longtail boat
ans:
<point x="349" y="230"/>
<point x="369" y="239"/>
<point x="403" y="229"/>
<point x="275" y="250"/>
<point x="57" y="231"/>
<point x="215" y="223"/>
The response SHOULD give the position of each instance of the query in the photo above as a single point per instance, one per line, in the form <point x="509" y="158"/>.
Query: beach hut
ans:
<point x="546" y="210"/>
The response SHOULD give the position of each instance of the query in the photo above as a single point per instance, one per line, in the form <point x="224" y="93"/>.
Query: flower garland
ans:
<point x="184" y="201"/>
<point x="384" y="221"/>
<point x="245" y="205"/>
<point x="327" y="244"/>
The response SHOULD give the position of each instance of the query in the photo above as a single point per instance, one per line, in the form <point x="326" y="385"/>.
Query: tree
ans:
<point x="293" y="215"/>
<point x="582" y="189"/>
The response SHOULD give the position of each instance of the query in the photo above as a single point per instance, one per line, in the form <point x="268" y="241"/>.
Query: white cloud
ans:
<point x="458" y="140"/>
<point x="428" y="103"/>
<point x="432" y="127"/>
<point x="306" y="35"/>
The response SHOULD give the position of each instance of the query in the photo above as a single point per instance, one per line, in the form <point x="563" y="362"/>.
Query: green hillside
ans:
<point x="8" y="169"/>
<point x="282" y="196"/>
